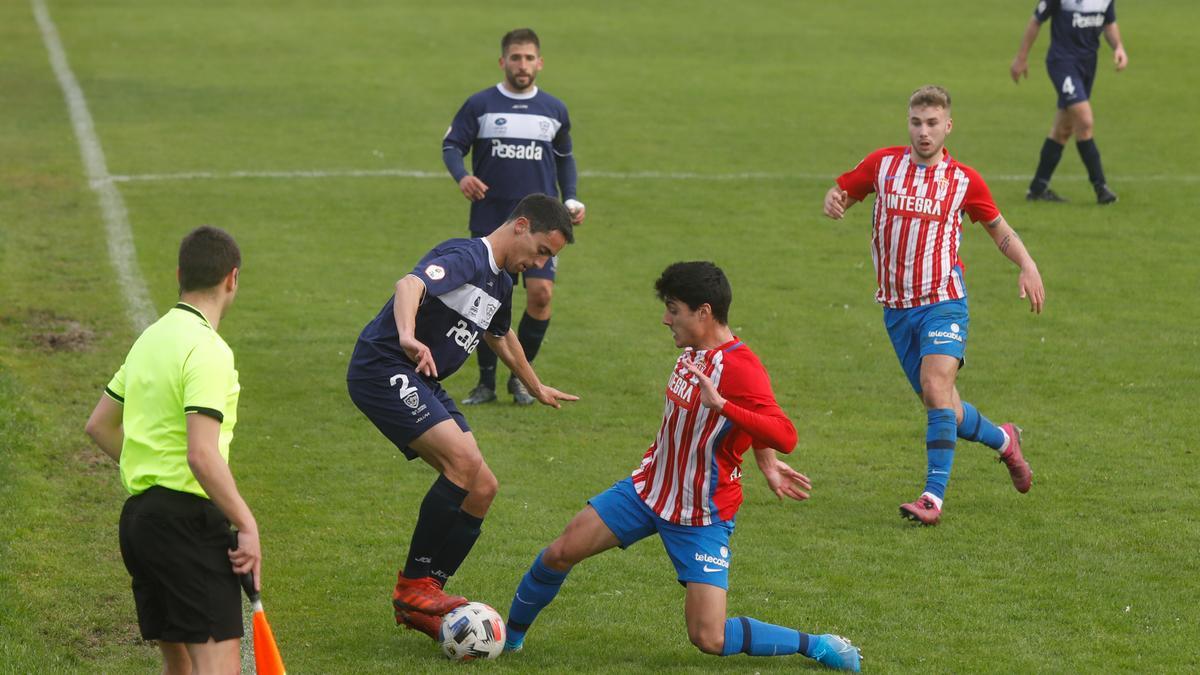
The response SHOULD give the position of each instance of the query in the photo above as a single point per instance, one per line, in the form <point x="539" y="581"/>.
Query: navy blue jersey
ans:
<point x="515" y="138"/>
<point x="1075" y="26"/>
<point x="465" y="293"/>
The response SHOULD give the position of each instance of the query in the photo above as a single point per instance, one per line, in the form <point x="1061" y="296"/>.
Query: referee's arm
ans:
<point x="213" y="474"/>
<point x="105" y="426"/>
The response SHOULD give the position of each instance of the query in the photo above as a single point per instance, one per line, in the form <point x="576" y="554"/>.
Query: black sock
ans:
<point x="439" y="510"/>
<point x="462" y="537"/>
<point x="1090" y="155"/>
<point x="531" y="332"/>
<point x="487" y="365"/>
<point x="1051" y="152"/>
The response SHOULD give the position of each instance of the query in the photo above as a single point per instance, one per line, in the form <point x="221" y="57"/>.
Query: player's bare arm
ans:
<point x="472" y="188"/>
<point x="1020" y="63"/>
<point x="1112" y="35"/>
<point x="509" y="349"/>
<point x="783" y="480"/>
<point x="1030" y="279"/>
<point x="837" y="201"/>
<point x="106" y="426"/>
<point x="409" y="292"/>
<point x="213" y="474"/>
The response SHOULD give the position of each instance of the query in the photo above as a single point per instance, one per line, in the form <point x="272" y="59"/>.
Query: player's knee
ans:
<point x="538" y="299"/>
<point x="462" y="465"/>
<point x="556" y="557"/>
<point x="485" y="486"/>
<point x="708" y="640"/>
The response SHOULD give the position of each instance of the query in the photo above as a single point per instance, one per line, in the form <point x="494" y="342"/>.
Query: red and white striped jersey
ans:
<point x="692" y="472"/>
<point x="917" y="222"/>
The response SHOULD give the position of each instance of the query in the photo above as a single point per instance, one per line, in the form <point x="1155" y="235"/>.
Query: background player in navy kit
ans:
<point x="522" y="143"/>
<point x="1075" y="29"/>
<point x="458" y="293"/>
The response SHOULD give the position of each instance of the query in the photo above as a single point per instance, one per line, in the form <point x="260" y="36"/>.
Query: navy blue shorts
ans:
<point x="1072" y="80"/>
<point x="404" y="404"/>
<point x="700" y="553"/>
<point x="940" y="328"/>
<point x="489" y="214"/>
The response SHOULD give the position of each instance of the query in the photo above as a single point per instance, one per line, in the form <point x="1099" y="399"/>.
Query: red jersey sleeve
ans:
<point x="978" y="203"/>
<point x="750" y="405"/>
<point x="860" y="181"/>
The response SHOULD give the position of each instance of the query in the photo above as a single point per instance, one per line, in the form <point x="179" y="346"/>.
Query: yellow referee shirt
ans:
<point x="178" y="367"/>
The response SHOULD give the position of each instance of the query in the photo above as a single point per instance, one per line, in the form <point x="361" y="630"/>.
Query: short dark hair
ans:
<point x="694" y="284"/>
<point x="519" y="36"/>
<point x="545" y="214"/>
<point x="206" y="256"/>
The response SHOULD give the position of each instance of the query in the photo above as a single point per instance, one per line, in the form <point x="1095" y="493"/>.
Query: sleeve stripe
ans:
<point x="112" y="394"/>
<point x="215" y="414"/>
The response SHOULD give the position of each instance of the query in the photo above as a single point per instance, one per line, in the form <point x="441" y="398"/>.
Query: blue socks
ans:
<point x="744" y="635"/>
<point x="538" y="587"/>
<point x="976" y="427"/>
<point x="940" y="436"/>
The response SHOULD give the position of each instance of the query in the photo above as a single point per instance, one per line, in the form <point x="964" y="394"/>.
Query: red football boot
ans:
<point x="922" y="510"/>
<point x="1018" y="468"/>
<point x="423" y="595"/>
<point x="429" y="625"/>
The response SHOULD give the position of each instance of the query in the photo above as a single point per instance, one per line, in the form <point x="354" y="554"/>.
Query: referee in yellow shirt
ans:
<point x="167" y="417"/>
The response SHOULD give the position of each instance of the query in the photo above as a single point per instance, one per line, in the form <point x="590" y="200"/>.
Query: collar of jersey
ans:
<point x="491" y="256"/>
<point x="519" y="97"/>
<point x="188" y="308"/>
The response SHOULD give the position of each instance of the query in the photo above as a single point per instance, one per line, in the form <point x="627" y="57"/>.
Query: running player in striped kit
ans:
<point x="688" y="487"/>
<point x="921" y="194"/>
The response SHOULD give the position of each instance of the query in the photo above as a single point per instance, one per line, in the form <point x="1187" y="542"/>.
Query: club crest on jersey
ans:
<point x="435" y="272"/>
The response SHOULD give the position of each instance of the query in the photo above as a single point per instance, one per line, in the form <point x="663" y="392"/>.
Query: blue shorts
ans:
<point x="489" y="214"/>
<point x="940" y="328"/>
<point x="700" y="553"/>
<point x="404" y="404"/>
<point x="1072" y="80"/>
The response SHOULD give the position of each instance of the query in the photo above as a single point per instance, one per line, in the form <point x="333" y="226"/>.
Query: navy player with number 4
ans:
<point x="521" y="140"/>
<point x="458" y="297"/>
<point x="1075" y="29"/>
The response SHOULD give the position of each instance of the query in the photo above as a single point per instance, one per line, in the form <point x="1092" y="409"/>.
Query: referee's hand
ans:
<point x="247" y="557"/>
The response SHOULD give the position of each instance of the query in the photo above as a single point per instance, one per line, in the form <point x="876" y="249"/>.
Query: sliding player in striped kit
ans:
<point x="688" y="487"/>
<point x="922" y="193"/>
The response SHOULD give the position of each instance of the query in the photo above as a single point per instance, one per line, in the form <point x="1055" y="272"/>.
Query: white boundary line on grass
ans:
<point x="121" y="251"/>
<point x="618" y="175"/>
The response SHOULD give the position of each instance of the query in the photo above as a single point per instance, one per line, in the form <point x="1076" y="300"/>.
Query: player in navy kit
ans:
<point x="458" y="297"/>
<point x="1075" y="29"/>
<point x="521" y="140"/>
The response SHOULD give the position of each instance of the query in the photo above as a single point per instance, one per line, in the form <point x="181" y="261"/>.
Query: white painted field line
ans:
<point x="616" y="175"/>
<point x="121" y="251"/>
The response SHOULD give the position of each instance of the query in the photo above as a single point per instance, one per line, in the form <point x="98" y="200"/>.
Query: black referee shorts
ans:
<point x="175" y="547"/>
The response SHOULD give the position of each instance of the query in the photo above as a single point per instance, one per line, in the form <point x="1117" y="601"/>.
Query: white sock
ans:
<point x="933" y="498"/>
<point x="1004" y="445"/>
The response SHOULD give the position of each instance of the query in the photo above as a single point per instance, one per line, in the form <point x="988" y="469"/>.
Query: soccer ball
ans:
<point x="473" y="631"/>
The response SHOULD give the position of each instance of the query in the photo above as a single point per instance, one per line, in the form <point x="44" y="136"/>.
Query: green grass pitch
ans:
<point x="705" y="130"/>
